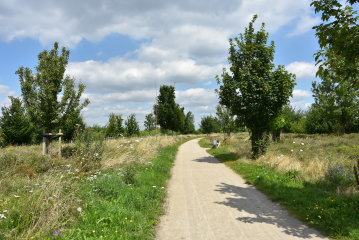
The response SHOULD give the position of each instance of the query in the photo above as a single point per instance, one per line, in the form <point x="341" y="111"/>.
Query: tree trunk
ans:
<point x="50" y="143"/>
<point x="172" y="133"/>
<point x="166" y="132"/>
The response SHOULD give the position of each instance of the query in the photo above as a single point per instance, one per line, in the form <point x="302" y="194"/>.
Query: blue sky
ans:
<point x="119" y="49"/>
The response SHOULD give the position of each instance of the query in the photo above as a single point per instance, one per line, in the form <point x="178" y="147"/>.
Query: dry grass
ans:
<point x="39" y="193"/>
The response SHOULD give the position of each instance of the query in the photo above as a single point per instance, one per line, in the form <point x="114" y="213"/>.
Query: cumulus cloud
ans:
<point x="5" y="91"/>
<point x="299" y="95"/>
<point x="302" y="70"/>
<point x="207" y="83"/>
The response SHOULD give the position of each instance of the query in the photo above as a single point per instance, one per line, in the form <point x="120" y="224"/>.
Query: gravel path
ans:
<point x="207" y="200"/>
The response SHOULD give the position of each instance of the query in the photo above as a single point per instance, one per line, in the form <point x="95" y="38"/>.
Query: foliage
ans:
<point x="255" y="93"/>
<point x="339" y="174"/>
<point x="189" y="123"/>
<point x="226" y="119"/>
<point x="99" y="129"/>
<point x="338" y="100"/>
<point x="178" y="119"/>
<point x="69" y="128"/>
<point x="209" y="124"/>
<point x="114" y="126"/>
<point x="129" y="175"/>
<point x="15" y="123"/>
<point x="150" y="122"/>
<point x="299" y="126"/>
<point x="341" y="36"/>
<point x="40" y="91"/>
<point x="166" y="106"/>
<point x="132" y="127"/>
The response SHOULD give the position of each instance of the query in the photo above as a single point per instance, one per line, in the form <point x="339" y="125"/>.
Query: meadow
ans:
<point x="310" y="175"/>
<point x="111" y="189"/>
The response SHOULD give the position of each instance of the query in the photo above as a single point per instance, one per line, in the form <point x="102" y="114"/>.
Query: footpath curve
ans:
<point x="207" y="200"/>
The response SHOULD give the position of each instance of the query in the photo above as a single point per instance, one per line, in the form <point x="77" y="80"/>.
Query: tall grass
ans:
<point x="41" y="196"/>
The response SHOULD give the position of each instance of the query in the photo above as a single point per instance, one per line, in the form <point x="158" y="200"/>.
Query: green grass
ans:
<point x="318" y="203"/>
<point x="118" y="210"/>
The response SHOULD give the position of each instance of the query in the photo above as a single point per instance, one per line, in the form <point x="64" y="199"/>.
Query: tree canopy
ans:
<point x="256" y="92"/>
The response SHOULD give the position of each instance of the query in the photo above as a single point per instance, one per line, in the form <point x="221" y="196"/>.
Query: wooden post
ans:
<point x="60" y="144"/>
<point x="43" y="143"/>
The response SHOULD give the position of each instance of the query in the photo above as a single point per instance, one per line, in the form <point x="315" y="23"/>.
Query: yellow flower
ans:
<point x="307" y="218"/>
<point x="125" y="218"/>
<point x="319" y="217"/>
<point x="293" y="200"/>
<point x="93" y="231"/>
<point x="116" y="231"/>
<point x="102" y="230"/>
<point x="101" y="237"/>
<point x="131" y="221"/>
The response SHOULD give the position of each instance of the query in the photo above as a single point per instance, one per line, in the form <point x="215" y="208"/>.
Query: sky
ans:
<point x="120" y="50"/>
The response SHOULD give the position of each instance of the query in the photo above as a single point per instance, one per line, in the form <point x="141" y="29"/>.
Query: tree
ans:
<point x="166" y="106"/>
<point x="337" y="100"/>
<point x="341" y="36"/>
<point x="208" y="124"/>
<point x="68" y="128"/>
<point x="15" y="123"/>
<point x="40" y="91"/>
<point x="132" y="127"/>
<point x="226" y="119"/>
<point x="189" y="123"/>
<point x="114" y="125"/>
<point x="150" y="122"/>
<point x="255" y="93"/>
<point x="178" y="119"/>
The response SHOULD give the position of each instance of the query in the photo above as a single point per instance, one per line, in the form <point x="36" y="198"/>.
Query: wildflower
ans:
<point x="281" y="155"/>
<point x="2" y="216"/>
<point x="16" y="196"/>
<point x="130" y="220"/>
<point x="301" y="150"/>
<point x="5" y="211"/>
<point x="292" y="150"/>
<point x="257" y="176"/>
<point x="319" y="217"/>
<point x="302" y="143"/>
<point x="136" y="141"/>
<point x="293" y="142"/>
<point x="162" y="187"/>
<point x="79" y="209"/>
<point x="96" y="154"/>
<point x="153" y="186"/>
<point x="47" y="229"/>
<point x="93" y="231"/>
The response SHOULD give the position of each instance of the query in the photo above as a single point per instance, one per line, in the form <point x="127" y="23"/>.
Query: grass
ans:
<point x="70" y="198"/>
<point x="309" y="183"/>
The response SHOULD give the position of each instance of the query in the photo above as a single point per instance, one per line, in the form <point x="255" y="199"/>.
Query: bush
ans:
<point x="89" y="143"/>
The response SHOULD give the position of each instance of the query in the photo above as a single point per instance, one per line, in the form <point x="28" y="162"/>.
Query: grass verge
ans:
<point x="318" y="203"/>
<point x="126" y="205"/>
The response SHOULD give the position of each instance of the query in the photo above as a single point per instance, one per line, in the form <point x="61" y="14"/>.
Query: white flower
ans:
<point x="16" y="196"/>
<point x="83" y="158"/>
<point x="143" y="149"/>
<point x="118" y="146"/>
<point x="257" y="176"/>
<point x="2" y="216"/>
<point x="31" y="191"/>
<point x="301" y="150"/>
<point x="293" y="142"/>
<point x="5" y="211"/>
<point x="162" y="187"/>
<point x="79" y="209"/>
<point x="278" y="157"/>
<point x="153" y="186"/>
<point x="281" y="155"/>
<point x="136" y="141"/>
<point x="141" y="138"/>
<point x="96" y="154"/>
<point x="292" y="150"/>
<point x="36" y="184"/>
<point x="62" y="176"/>
<point x="68" y="165"/>
<point x="302" y="143"/>
<point x="76" y="170"/>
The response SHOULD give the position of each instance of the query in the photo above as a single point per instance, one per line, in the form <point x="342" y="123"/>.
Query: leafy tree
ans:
<point x="341" y="36"/>
<point x="276" y="126"/>
<point x="69" y="127"/>
<point x="338" y="100"/>
<point x="208" y="124"/>
<point x="132" y="127"/>
<point x="166" y="106"/>
<point x="150" y="122"/>
<point x="189" y="123"/>
<point x="178" y="119"/>
<point x="226" y="119"/>
<point x="114" y="126"/>
<point x="40" y="91"/>
<point x="255" y="93"/>
<point x="97" y="128"/>
<point x="15" y="123"/>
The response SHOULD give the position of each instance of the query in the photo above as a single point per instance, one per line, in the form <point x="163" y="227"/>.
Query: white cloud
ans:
<point x="207" y="83"/>
<point x="302" y="70"/>
<point x="5" y="91"/>
<point x="299" y="95"/>
<point x="300" y="105"/>
<point x="304" y="25"/>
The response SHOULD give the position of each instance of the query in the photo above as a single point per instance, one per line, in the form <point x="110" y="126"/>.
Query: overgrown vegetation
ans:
<point x="311" y="175"/>
<point x="74" y="196"/>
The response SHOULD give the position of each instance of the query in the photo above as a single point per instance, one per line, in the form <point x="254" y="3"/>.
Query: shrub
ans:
<point x="89" y="143"/>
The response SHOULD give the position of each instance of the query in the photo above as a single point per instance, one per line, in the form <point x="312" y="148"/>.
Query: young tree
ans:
<point x="114" y="125"/>
<point x="189" y="123"/>
<point x="341" y="35"/>
<point x="178" y="119"/>
<point x="338" y="100"/>
<point x="255" y="93"/>
<point x="39" y="91"/>
<point x="150" y="122"/>
<point x="68" y="128"/>
<point x="226" y="119"/>
<point x="15" y="123"/>
<point x="132" y="127"/>
<point x="208" y="124"/>
<point x="166" y="106"/>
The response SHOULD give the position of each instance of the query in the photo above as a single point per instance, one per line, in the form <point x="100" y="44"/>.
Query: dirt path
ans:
<point x="207" y="200"/>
